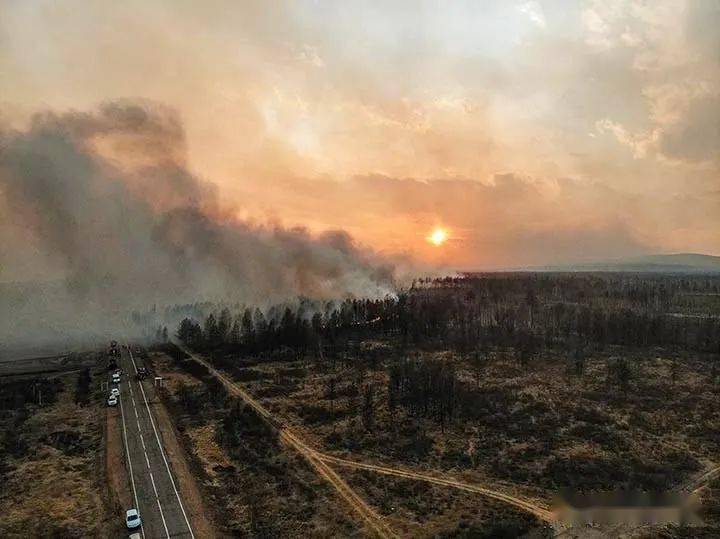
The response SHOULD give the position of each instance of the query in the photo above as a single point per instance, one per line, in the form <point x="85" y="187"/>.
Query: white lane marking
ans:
<point x="162" y="451"/>
<point x="152" y="480"/>
<point x="157" y="499"/>
<point x="127" y="455"/>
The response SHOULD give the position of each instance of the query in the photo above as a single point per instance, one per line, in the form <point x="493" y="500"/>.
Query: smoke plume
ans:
<point x="102" y="209"/>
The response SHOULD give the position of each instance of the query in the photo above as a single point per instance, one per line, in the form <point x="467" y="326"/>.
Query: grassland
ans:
<point x="53" y="482"/>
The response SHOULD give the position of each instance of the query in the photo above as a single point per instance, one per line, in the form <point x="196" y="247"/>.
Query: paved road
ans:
<point x="154" y="488"/>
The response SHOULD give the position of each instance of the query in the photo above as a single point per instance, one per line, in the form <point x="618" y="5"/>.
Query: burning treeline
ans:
<point x="519" y="314"/>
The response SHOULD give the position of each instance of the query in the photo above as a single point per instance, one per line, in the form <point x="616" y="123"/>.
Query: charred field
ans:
<point x="52" y="456"/>
<point x="527" y="384"/>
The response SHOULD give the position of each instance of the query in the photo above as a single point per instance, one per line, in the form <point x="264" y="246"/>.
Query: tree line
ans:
<point x="475" y="313"/>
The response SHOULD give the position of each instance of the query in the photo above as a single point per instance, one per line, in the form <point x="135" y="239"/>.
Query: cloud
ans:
<point x="534" y="12"/>
<point x="291" y="107"/>
<point x="688" y="133"/>
<point x="496" y="224"/>
<point x="695" y="137"/>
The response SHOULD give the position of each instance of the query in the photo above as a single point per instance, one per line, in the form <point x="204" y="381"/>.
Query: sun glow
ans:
<point x="438" y="237"/>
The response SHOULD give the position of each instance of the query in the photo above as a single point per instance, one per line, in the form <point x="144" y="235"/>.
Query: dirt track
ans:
<point x="697" y="483"/>
<point x="319" y="462"/>
<point x="540" y="512"/>
<point x="314" y="458"/>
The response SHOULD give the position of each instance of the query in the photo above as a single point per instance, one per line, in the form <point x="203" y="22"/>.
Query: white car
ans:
<point x="132" y="519"/>
<point x="114" y="392"/>
<point x="112" y="400"/>
<point x="116" y="378"/>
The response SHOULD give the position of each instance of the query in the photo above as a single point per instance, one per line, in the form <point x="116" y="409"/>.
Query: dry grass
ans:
<point x="416" y="509"/>
<point x="172" y="378"/>
<point x="257" y="488"/>
<point x="544" y="413"/>
<point x="207" y="450"/>
<point x="55" y="489"/>
<point x="544" y="428"/>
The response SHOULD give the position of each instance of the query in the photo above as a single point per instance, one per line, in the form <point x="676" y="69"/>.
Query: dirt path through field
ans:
<point x="540" y="512"/>
<point x="374" y="521"/>
<point x="320" y="461"/>
<point x="696" y="483"/>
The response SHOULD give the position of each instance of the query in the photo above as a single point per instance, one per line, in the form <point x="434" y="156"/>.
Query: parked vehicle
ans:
<point x="115" y="391"/>
<point x="112" y="400"/>
<point x="141" y="373"/>
<point x="135" y="536"/>
<point x="115" y="378"/>
<point x="132" y="519"/>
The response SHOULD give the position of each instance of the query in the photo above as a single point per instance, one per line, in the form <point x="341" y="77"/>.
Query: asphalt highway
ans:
<point x="154" y="488"/>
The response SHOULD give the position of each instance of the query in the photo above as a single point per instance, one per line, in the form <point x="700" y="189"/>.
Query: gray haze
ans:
<point x="100" y="215"/>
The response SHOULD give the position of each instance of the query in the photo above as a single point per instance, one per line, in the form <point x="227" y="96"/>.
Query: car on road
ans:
<point x="132" y="519"/>
<point x="112" y="400"/>
<point x="141" y="373"/>
<point x="115" y="392"/>
<point x="116" y="378"/>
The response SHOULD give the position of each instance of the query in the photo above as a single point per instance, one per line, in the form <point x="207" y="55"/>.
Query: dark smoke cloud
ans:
<point x="118" y="222"/>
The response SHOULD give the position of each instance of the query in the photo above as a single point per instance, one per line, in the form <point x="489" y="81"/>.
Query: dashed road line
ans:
<point x="157" y="499"/>
<point x="147" y="461"/>
<point x="160" y="446"/>
<point x="129" y="460"/>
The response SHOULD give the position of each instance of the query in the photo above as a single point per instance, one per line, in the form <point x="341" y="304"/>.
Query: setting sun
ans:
<point x="438" y="236"/>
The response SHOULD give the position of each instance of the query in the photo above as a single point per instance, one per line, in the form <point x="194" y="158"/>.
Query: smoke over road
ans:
<point x="102" y="209"/>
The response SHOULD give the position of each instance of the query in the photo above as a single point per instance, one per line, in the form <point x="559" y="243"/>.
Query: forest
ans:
<point x="478" y="316"/>
<point x="540" y="381"/>
<point x="476" y="313"/>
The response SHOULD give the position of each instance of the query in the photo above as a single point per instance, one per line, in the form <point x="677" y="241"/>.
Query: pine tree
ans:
<point x="248" y="329"/>
<point x="261" y="329"/>
<point x="185" y="330"/>
<point x="235" y="333"/>
<point x="211" y="333"/>
<point x="368" y="412"/>
<point x="579" y="360"/>
<point x="223" y="326"/>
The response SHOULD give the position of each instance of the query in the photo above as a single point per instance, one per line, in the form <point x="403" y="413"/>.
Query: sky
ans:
<point x="531" y="132"/>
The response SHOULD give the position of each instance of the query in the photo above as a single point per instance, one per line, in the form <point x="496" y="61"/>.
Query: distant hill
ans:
<point x="660" y="263"/>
